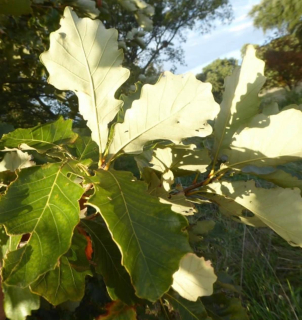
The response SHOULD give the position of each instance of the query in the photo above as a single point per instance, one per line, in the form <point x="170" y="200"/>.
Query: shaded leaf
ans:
<point x="230" y="208"/>
<point x="261" y="147"/>
<point x="188" y="310"/>
<point x="42" y="137"/>
<point x="179" y="203"/>
<point x="133" y="218"/>
<point x="195" y="277"/>
<point x="221" y="307"/>
<point x="271" y="109"/>
<point x="67" y="280"/>
<point x="108" y="260"/>
<point x="280" y="209"/>
<point x="167" y="109"/>
<point x="117" y="310"/>
<point x="283" y="179"/>
<point x="240" y="99"/>
<point x="128" y="100"/>
<point x="45" y="204"/>
<point x="15" y="7"/>
<point x="88" y="63"/>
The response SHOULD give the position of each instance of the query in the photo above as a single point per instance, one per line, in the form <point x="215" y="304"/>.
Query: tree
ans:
<point x="215" y="73"/>
<point x="285" y="15"/>
<point x="27" y="99"/>
<point x="283" y="59"/>
<point x="68" y="215"/>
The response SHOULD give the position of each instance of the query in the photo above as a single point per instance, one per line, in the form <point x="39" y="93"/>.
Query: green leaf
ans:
<point x="221" y="307"/>
<point x="15" y="7"/>
<point x="128" y="100"/>
<point x="43" y="201"/>
<point x="148" y="234"/>
<point x="271" y="109"/>
<point x="67" y="280"/>
<point x="166" y="109"/>
<point x="117" y="310"/>
<point x="108" y="261"/>
<point x="85" y="148"/>
<point x="179" y="203"/>
<point x="180" y="159"/>
<point x="187" y="310"/>
<point x="283" y="179"/>
<point x="15" y="159"/>
<point x="258" y="144"/>
<point x="19" y="302"/>
<point x="280" y="209"/>
<point x="88" y="63"/>
<point x="194" y="278"/>
<point x="41" y="138"/>
<point x="231" y="208"/>
<point x="240" y="99"/>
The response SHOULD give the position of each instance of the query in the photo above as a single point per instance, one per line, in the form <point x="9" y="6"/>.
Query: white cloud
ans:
<point x="241" y="26"/>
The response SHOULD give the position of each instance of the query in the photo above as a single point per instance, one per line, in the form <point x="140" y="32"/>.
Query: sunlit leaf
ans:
<point x="230" y="208"/>
<point x="108" y="261"/>
<point x="259" y="145"/>
<point x="280" y="209"/>
<point x="133" y="218"/>
<point x="19" y="302"/>
<point x="85" y="148"/>
<point x="42" y="137"/>
<point x="194" y="278"/>
<point x="88" y="63"/>
<point x="179" y="203"/>
<point x="166" y="110"/>
<point x="15" y="159"/>
<point x="240" y="99"/>
<point x="43" y="201"/>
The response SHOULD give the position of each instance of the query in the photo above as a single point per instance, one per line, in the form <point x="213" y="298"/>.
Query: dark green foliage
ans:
<point x="215" y="73"/>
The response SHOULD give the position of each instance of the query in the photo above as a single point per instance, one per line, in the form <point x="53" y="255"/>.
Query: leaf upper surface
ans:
<point x="188" y="310"/>
<point x="41" y="138"/>
<point x="43" y="201"/>
<point x="84" y="57"/>
<point x="148" y="234"/>
<point x="166" y="110"/>
<point x="108" y="261"/>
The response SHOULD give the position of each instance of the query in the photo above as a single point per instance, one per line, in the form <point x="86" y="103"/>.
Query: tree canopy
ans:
<point x="147" y="34"/>
<point x="285" y="15"/>
<point x="215" y="73"/>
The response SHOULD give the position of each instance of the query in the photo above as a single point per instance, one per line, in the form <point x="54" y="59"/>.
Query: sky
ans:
<point x="225" y="41"/>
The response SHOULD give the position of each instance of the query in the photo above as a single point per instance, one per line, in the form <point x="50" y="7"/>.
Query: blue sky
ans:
<point x="224" y="41"/>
